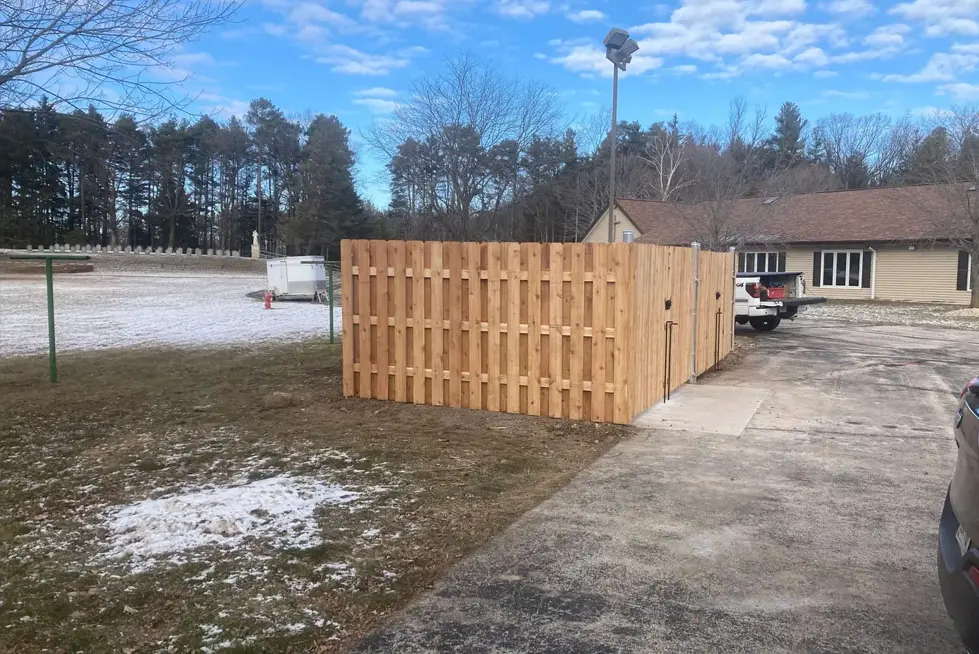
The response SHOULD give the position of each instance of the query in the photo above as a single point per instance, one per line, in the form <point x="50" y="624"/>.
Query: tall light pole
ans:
<point x="619" y="48"/>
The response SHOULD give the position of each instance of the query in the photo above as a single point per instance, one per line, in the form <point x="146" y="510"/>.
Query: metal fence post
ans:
<point x="52" y="360"/>
<point x="329" y="273"/>
<point x="696" y="294"/>
<point x="734" y="290"/>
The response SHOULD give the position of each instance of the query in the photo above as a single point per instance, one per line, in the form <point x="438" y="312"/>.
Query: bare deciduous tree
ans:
<point x="667" y="153"/>
<point x="956" y="219"/>
<point x="107" y="52"/>
<point x="861" y="150"/>
<point x="462" y="120"/>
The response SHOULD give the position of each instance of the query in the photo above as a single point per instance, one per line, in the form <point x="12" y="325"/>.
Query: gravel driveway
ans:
<point x="811" y="530"/>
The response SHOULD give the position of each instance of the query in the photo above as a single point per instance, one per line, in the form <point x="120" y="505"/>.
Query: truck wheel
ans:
<point x="765" y="323"/>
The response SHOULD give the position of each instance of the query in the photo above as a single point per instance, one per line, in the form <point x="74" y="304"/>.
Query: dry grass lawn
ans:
<point x="126" y="426"/>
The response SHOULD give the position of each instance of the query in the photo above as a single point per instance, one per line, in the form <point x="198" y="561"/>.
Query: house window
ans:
<point x="843" y="268"/>
<point x="963" y="280"/>
<point x="749" y="262"/>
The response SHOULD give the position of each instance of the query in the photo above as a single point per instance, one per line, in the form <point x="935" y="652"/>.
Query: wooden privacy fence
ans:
<point x="580" y="331"/>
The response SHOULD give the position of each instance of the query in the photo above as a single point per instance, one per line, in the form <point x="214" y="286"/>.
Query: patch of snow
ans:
<point x="94" y="311"/>
<point x="968" y="312"/>
<point x="894" y="313"/>
<point x="279" y="509"/>
<point x="371" y="533"/>
<point x="211" y="631"/>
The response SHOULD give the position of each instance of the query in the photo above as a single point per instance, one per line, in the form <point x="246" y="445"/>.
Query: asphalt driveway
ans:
<point x="812" y="529"/>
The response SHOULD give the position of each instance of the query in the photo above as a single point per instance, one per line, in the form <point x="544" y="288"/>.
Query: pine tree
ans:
<point x="329" y="209"/>
<point x="787" y="144"/>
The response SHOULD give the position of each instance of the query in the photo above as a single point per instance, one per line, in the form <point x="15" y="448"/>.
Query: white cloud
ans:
<point x="812" y="57"/>
<point x="408" y="7"/>
<point x="587" y="15"/>
<point x="966" y="48"/>
<point x="685" y="68"/>
<point x="961" y="90"/>
<point x="311" y="33"/>
<point x="540" y="55"/>
<point x="770" y="61"/>
<point x="274" y="29"/>
<point x="186" y="65"/>
<point x="311" y="12"/>
<point x="851" y="7"/>
<point x="349" y="61"/>
<point x="848" y="95"/>
<point x="522" y="9"/>
<point x="942" y="17"/>
<point x="188" y="59"/>
<point x="377" y="92"/>
<point x="217" y="105"/>
<point x="929" y="111"/>
<point x="589" y="60"/>
<point x="413" y="51"/>
<point x="378" y="105"/>
<point x="941" y="67"/>
<point x="887" y="36"/>
<point x="825" y="74"/>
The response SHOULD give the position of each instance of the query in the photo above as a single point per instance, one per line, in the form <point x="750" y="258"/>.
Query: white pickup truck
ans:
<point x="764" y="299"/>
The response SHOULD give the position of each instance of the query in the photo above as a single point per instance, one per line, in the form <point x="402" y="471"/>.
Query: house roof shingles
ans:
<point x="909" y="213"/>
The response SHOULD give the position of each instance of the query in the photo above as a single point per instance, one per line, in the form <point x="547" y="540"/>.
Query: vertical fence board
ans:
<point x="399" y="289"/>
<point x="493" y="321"/>
<point x="577" y="342"/>
<point x="555" y="340"/>
<point x="347" y="316"/>
<point x="417" y="254"/>
<point x="475" y="329"/>
<point x="364" y="288"/>
<point x="599" y="338"/>
<point x="455" y="363"/>
<point x="533" y="327"/>
<point x="513" y="329"/>
<point x="438" y="343"/>
<point x="624" y="302"/>
<point x="381" y="288"/>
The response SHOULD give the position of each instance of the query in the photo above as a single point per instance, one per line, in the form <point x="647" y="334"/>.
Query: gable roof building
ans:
<point x="883" y="243"/>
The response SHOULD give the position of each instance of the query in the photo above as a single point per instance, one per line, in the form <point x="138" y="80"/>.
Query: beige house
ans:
<point x="871" y="244"/>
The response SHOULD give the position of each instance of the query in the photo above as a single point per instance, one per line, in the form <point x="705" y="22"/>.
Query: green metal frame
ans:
<point x="49" y="274"/>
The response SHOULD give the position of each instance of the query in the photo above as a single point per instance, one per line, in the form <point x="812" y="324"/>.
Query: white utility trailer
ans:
<point x="297" y="277"/>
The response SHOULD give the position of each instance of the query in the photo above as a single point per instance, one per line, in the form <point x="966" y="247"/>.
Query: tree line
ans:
<point x="78" y="178"/>
<point x="475" y="155"/>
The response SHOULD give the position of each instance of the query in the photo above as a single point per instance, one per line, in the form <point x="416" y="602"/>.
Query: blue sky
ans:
<point x="356" y="58"/>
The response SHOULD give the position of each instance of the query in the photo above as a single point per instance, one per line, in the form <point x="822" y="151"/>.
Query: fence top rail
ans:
<point x="72" y="257"/>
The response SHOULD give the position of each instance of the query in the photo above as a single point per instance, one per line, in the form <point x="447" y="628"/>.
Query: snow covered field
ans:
<point x="125" y="309"/>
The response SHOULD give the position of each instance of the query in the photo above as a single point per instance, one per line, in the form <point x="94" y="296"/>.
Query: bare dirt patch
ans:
<point x="154" y="501"/>
<point x="16" y="267"/>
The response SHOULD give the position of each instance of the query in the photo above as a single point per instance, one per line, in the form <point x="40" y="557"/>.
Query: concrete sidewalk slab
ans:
<point x="706" y="409"/>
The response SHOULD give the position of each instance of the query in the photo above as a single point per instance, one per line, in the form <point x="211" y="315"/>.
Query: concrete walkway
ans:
<point x="813" y="529"/>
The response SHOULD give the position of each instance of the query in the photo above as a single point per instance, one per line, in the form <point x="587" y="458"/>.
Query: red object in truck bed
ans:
<point x="776" y="293"/>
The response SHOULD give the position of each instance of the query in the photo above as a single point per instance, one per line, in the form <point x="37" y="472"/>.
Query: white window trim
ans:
<point x="822" y="269"/>
<point x="754" y="254"/>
